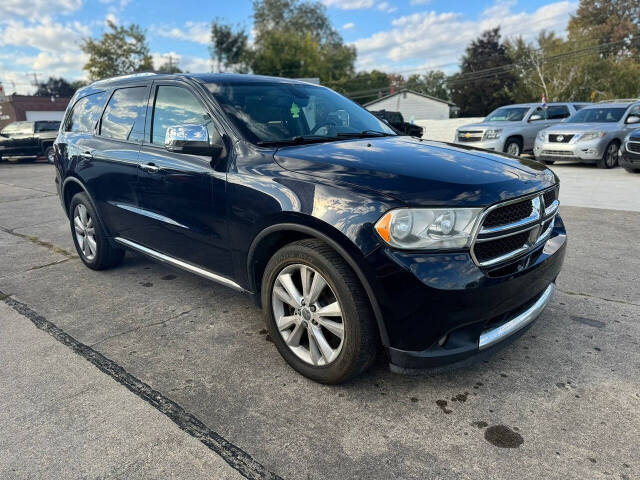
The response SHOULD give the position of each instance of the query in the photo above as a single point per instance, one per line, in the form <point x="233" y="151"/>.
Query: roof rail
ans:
<point x="620" y="100"/>
<point x="124" y="77"/>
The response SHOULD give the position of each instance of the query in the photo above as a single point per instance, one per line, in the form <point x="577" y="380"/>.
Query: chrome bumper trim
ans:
<point x="489" y="338"/>
<point x="179" y="263"/>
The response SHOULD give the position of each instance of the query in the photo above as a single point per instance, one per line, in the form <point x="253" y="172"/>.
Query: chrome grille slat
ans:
<point x="518" y="237"/>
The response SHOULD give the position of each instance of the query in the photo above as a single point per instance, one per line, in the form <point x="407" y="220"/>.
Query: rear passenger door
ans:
<point x="182" y="198"/>
<point x="113" y="158"/>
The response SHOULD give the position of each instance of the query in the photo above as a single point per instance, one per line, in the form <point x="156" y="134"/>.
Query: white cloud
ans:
<point x="33" y="9"/>
<point x="349" y="4"/>
<point x="420" y="2"/>
<point x="348" y="26"/>
<point x="198" y="32"/>
<point x="439" y="39"/>
<point x="385" y="7"/>
<point x="45" y="35"/>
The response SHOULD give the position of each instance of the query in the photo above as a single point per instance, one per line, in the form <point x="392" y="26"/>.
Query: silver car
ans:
<point x="513" y="128"/>
<point x="593" y="135"/>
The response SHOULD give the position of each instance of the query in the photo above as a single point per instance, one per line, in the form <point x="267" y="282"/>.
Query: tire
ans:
<point x="549" y="162"/>
<point x="513" y="144"/>
<point x="346" y="357"/>
<point x="97" y="254"/>
<point x="610" y="156"/>
<point x="49" y="154"/>
<point x="632" y="170"/>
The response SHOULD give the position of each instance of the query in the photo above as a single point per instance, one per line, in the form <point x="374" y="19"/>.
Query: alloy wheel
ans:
<point x="513" y="149"/>
<point x="612" y="154"/>
<point x="308" y="315"/>
<point x="50" y="156"/>
<point x="85" y="232"/>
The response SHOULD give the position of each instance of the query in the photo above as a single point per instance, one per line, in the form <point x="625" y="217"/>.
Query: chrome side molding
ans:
<point x="180" y="264"/>
<point x="495" y="335"/>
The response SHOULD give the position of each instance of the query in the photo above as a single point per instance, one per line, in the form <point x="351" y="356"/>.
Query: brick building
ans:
<point x="26" y="107"/>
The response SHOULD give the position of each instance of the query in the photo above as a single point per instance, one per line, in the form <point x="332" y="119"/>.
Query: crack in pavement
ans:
<point x="38" y="267"/>
<point x="580" y="294"/>
<point x="37" y="241"/>
<point x="237" y="458"/>
<point x="28" y="198"/>
<point x="28" y="188"/>
<point x="146" y="325"/>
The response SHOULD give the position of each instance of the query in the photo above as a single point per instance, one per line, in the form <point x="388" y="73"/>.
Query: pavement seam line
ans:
<point x="580" y="294"/>
<point x="37" y="241"/>
<point x="27" y="188"/>
<point x="237" y="458"/>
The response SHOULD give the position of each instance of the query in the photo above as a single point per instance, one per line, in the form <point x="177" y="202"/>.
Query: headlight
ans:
<point x="428" y="229"/>
<point x="492" y="134"/>
<point x="542" y="136"/>
<point x="591" y="136"/>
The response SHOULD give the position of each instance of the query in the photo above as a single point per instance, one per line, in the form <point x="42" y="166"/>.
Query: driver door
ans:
<point x="181" y="198"/>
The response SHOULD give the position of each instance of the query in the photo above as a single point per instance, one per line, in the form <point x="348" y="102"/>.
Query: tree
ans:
<point x="477" y="91"/>
<point x="229" y="47"/>
<point x="296" y="39"/>
<point x="55" y="87"/>
<point x="364" y="87"/>
<point x="433" y="84"/>
<point x="169" y="66"/>
<point x="121" y="50"/>
<point x="614" y="22"/>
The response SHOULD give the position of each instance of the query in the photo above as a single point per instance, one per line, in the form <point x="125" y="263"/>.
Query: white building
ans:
<point x="414" y="106"/>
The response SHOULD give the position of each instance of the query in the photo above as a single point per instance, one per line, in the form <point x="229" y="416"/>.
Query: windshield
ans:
<point x="597" y="115"/>
<point x="507" y="114"/>
<point x="272" y="112"/>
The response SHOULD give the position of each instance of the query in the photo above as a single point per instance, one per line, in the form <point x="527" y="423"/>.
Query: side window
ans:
<point x="177" y="106"/>
<point x="123" y="119"/>
<point x="558" y="112"/>
<point x="541" y="112"/>
<point x="47" y="126"/>
<point x="85" y="113"/>
<point x="634" y="111"/>
<point x="578" y="106"/>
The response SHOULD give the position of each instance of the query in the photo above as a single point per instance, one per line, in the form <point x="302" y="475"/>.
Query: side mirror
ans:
<point x="190" y="139"/>
<point x="633" y="119"/>
<point x="535" y="117"/>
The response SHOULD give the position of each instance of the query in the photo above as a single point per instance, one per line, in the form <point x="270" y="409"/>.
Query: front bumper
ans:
<point x="443" y="309"/>
<point x="629" y="159"/>
<point x="591" y="151"/>
<point x="495" y="145"/>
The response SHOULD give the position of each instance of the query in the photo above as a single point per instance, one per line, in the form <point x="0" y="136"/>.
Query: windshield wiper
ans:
<point x="364" y="134"/>
<point x="299" y="140"/>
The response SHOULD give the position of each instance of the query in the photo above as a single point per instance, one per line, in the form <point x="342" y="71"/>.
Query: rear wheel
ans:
<point x="317" y="312"/>
<point x="89" y="237"/>
<point x="610" y="157"/>
<point x="49" y="154"/>
<point x="513" y="146"/>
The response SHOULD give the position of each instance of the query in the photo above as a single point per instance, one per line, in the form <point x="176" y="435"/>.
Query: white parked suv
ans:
<point x="593" y="135"/>
<point x="513" y="128"/>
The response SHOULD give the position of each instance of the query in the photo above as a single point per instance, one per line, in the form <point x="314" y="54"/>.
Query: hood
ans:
<point x="583" y="127"/>
<point x="500" y="124"/>
<point x="419" y="173"/>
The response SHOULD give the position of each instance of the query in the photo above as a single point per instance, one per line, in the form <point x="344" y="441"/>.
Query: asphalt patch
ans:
<point x="503" y="437"/>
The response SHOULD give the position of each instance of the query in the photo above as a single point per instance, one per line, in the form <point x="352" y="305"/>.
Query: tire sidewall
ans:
<point x="603" y="161"/>
<point x="99" y="234"/>
<point x="513" y="141"/>
<point x="341" y="368"/>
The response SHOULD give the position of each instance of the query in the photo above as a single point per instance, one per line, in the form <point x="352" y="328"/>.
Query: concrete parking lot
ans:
<point x="147" y="372"/>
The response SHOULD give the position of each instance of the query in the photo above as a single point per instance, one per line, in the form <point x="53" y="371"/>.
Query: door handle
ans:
<point x="150" y="167"/>
<point x="86" y="155"/>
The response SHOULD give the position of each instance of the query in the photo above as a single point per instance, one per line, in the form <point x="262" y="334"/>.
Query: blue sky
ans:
<point x="406" y="36"/>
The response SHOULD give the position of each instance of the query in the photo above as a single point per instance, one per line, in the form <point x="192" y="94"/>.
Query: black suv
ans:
<point x="348" y="235"/>
<point x="28" y="140"/>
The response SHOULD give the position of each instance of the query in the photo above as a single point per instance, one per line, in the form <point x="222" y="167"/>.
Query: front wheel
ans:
<point x="89" y="237"/>
<point x="513" y="146"/>
<point x="610" y="157"/>
<point x="317" y="312"/>
<point x="49" y="154"/>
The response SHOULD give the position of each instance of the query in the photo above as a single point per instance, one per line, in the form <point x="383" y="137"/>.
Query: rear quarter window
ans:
<point x="85" y="113"/>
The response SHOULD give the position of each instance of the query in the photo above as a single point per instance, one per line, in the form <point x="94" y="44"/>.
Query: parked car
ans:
<point x="348" y="235"/>
<point x="396" y="120"/>
<point x="513" y="128"/>
<point x="593" y="135"/>
<point x="28" y="140"/>
<point x="630" y="153"/>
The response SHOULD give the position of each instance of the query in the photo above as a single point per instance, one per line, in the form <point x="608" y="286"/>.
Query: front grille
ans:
<point x="497" y="248"/>
<point x="512" y="213"/>
<point x="558" y="153"/>
<point x="633" y="147"/>
<point x="473" y="136"/>
<point x="549" y="196"/>
<point x="514" y="228"/>
<point x="559" y="138"/>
